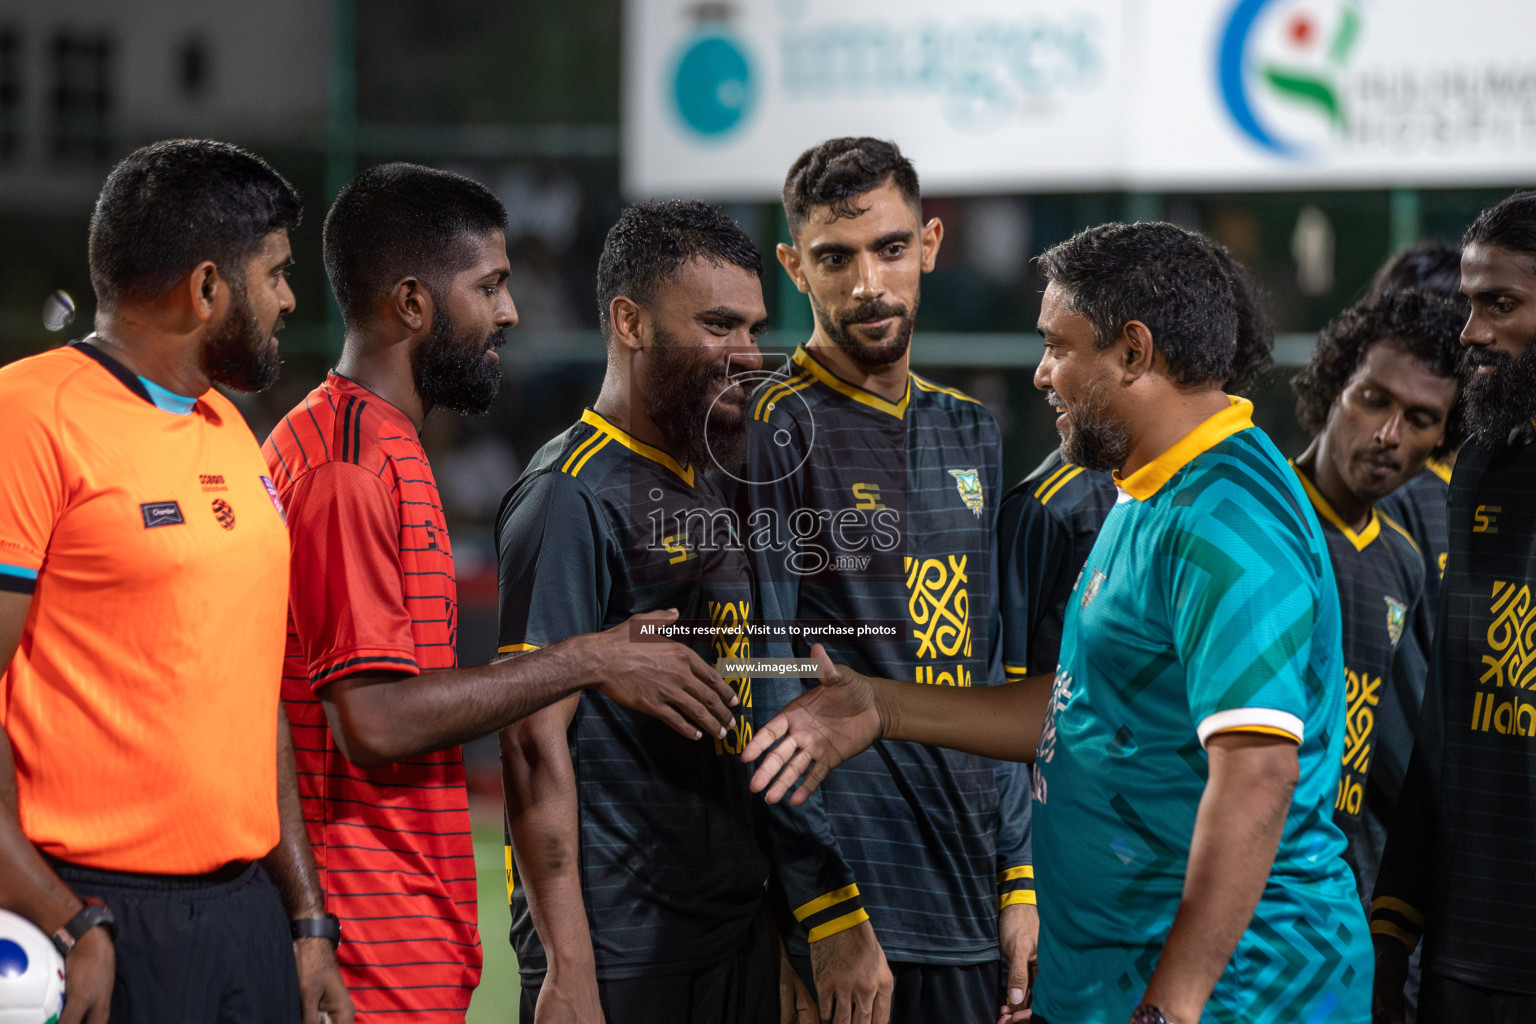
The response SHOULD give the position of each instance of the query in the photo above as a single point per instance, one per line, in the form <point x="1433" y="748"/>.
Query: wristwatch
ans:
<point x="1146" y="1013"/>
<point x="327" y="926"/>
<point x="92" y="914"/>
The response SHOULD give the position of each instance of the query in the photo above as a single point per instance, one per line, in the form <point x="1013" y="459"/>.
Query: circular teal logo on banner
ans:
<point x="714" y="86"/>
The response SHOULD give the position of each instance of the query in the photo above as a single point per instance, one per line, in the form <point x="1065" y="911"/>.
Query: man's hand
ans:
<point x="88" y="973"/>
<point x="1387" y="1003"/>
<point x="568" y="998"/>
<point x="796" y="1004"/>
<point x="853" y="981"/>
<point x="816" y="732"/>
<point x="1018" y="935"/>
<point x="321" y="990"/>
<point x="664" y="679"/>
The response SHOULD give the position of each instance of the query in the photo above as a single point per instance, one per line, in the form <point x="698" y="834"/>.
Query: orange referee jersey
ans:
<point x="142" y="700"/>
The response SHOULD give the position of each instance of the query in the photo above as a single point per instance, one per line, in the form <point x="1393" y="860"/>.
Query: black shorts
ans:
<point x="1445" y="1000"/>
<point x="196" y="949"/>
<point x="741" y="989"/>
<point x="926" y="993"/>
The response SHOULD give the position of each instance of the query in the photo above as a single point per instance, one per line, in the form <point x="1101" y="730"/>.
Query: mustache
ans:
<point x="1054" y="400"/>
<point x="496" y="339"/>
<point x="874" y="309"/>
<point x="1472" y="358"/>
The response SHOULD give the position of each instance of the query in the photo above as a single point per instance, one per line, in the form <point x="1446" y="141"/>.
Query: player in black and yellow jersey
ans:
<point x="638" y="870"/>
<point x="1419" y="504"/>
<point x="1456" y="869"/>
<point x="1379" y="396"/>
<point x="1048" y="522"/>
<point x="884" y="488"/>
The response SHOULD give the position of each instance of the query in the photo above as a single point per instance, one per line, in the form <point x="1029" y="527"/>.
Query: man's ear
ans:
<point x="789" y="259"/>
<point x="933" y="236"/>
<point x="207" y="291"/>
<point x="1140" y="353"/>
<point x="411" y="303"/>
<point x="627" y="321"/>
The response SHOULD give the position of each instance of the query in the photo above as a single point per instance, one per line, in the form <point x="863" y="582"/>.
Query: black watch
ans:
<point x="1146" y="1013"/>
<point x="326" y="927"/>
<point x="92" y="914"/>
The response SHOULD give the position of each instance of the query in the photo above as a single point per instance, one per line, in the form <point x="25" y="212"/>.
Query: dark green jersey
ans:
<point x="1045" y="528"/>
<point x="1379" y="572"/>
<point x="862" y="512"/>
<point x="602" y="526"/>
<point x="1459" y="859"/>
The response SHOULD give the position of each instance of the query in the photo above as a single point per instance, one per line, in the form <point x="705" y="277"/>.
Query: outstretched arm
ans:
<point x="845" y="714"/>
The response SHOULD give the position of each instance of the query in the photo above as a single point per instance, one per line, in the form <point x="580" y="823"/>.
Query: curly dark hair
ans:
<point x="1508" y="224"/>
<point x="1432" y="267"/>
<point x="838" y="171"/>
<point x="652" y="241"/>
<point x="1425" y="326"/>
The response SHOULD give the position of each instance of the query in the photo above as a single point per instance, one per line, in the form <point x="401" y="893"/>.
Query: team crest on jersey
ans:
<point x="1091" y="591"/>
<point x="1397" y="613"/>
<point x="968" y="483"/>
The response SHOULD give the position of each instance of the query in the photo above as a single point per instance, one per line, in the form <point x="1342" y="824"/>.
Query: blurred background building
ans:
<point x="1312" y="137"/>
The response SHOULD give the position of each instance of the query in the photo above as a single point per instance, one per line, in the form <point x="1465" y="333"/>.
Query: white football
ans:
<point x="31" y="973"/>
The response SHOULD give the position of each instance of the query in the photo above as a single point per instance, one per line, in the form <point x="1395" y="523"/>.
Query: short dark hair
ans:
<point x="1509" y="224"/>
<point x="1255" y="350"/>
<point x="169" y="206"/>
<point x="1432" y="267"/>
<point x="1423" y="325"/>
<point x="1171" y="279"/>
<point x="402" y="220"/>
<point x="837" y="172"/>
<point x="652" y="241"/>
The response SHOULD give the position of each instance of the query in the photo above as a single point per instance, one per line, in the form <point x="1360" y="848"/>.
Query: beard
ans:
<point x="880" y="353"/>
<point x="1501" y="399"/>
<point x="238" y="354"/>
<point x="1093" y="440"/>
<point x="451" y="369"/>
<point x="679" y="398"/>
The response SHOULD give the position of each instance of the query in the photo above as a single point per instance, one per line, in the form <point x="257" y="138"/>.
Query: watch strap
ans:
<point x="327" y="926"/>
<point x="94" y="913"/>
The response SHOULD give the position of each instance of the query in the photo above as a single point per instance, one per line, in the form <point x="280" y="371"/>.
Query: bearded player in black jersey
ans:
<point x="1457" y="866"/>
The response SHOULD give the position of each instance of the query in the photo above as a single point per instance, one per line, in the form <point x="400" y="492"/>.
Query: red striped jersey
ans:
<point x="372" y="590"/>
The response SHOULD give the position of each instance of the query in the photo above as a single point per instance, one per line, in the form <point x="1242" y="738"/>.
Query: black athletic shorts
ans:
<point x="196" y="949"/>
<point x="741" y="989"/>
<point x="928" y="993"/>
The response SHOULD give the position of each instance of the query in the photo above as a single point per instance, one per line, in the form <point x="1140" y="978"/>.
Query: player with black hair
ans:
<point x="417" y="260"/>
<point x="1453" y="871"/>
<point x="145" y="758"/>
<point x="638" y="869"/>
<point x="1190" y="735"/>
<point x="1047" y="523"/>
<point x="1379" y="397"/>
<point x="905" y="880"/>
<point x="1419" y="505"/>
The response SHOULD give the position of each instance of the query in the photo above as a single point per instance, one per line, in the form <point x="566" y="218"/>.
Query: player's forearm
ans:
<point x="1237" y="831"/>
<point x="1001" y="722"/>
<point x="540" y="786"/>
<point x="291" y="864"/>
<point x="380" y="718"/>
<point x="27" y="885"/>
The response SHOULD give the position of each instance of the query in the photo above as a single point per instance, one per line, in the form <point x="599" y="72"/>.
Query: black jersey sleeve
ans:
<point x="809" y="870"/>
<point x="553" y="547"/>
<point x="1039" y="554"/>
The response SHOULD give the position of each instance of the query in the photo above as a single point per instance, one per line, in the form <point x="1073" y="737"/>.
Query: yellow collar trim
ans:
<point x="808" y="364"/>
<point x="1440" y="469"/>
<point x="1149" y="479"/>
<point x="1361" y="540"/>
<point x="637" y="446"/>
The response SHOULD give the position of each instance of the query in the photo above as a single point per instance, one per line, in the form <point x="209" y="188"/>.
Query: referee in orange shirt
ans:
<point x="144" y="776"/>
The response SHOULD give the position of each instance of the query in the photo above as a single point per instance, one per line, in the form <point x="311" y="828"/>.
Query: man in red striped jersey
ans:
<point x="417" y="260"/>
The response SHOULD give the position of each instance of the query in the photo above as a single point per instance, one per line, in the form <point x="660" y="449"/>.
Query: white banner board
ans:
<point x="1012" y="95"/>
